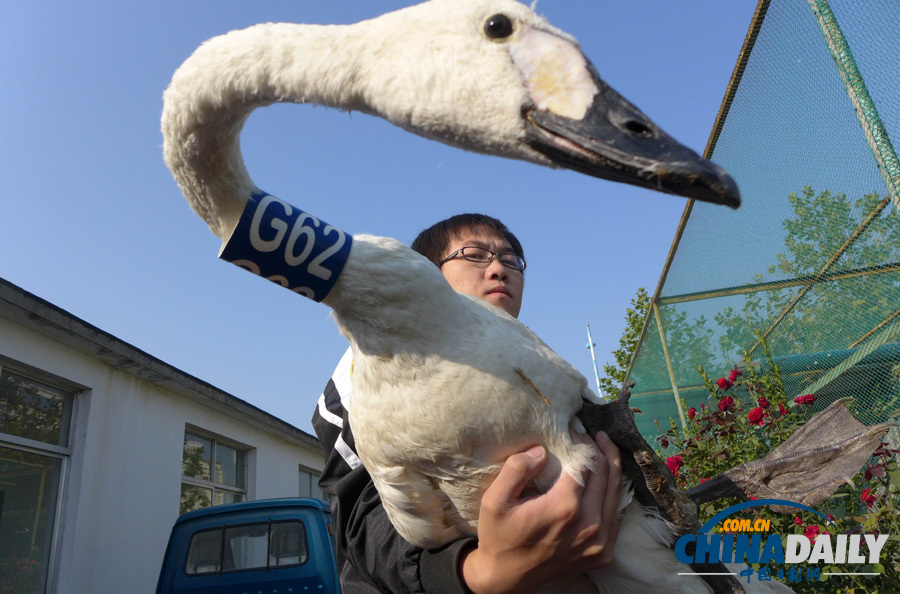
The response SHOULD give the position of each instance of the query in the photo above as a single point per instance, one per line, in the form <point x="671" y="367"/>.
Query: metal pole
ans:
<point x="671" y="368"/>
<point x="861" y="353"/>
<point x="831" y="261"/>
<point x="591" y="345"/>
<point x="799" y="281"/>
<point x="871" y="123"/>
<point x="749" y="41"/>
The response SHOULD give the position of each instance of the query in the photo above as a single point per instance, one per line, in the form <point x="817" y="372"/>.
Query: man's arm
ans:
<point x="526" y="542"/>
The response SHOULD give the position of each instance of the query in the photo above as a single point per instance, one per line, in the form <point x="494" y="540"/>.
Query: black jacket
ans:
<point x="371" y="554"/>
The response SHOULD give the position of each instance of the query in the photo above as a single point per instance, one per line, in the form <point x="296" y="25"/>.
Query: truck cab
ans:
<point x="274" y="545"/>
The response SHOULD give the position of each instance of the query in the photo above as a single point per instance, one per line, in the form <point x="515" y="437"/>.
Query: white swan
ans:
<point x="484" y="75"/>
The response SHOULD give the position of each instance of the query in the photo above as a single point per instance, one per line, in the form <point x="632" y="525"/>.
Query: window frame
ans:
<point x="215" y="487"/>
<point x="314" y="476"/>
<point x="222" y="530"/>
<point x="63" y="453"/>
<point x="74" y="390"/>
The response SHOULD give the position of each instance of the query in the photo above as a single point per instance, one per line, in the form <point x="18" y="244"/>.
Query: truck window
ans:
<point x="263" y="545"/>
<point x="245" y="547"/>
<point x="204" y="553"/>
<point x="287" y="544"/>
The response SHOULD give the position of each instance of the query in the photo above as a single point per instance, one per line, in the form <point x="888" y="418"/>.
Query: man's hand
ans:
<point x="523" y="543"/>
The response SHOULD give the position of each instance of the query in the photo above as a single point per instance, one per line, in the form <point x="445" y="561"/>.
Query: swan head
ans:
<point x="494" y="77"/>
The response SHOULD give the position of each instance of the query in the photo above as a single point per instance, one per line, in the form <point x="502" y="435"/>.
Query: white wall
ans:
<point x="122" y="489"/>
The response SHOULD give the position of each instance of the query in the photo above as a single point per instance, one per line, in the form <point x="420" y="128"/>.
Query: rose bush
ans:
<point x="748" y="418"/>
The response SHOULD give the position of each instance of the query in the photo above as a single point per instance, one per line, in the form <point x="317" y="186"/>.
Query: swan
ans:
<point x="489" y="76"/>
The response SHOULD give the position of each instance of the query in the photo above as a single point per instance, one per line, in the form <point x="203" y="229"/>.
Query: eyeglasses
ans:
<point x="481" y="257"/>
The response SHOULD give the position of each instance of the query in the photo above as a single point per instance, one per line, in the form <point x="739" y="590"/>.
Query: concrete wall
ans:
<point x="122" y="482"/>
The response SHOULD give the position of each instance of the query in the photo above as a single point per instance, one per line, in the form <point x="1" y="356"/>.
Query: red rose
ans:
<point x="726" y="403"/>
<point x="703" y="480"/>
<point x="782" y="409"/>
<point x="805" y="399"/>
<point x="867" y="497"/>
<point x="756" y="416"/>
<point x="692" y="412"/>
<point x="734" y="375"/>
<point x="763" y="403"/>
<point x="798" y="521"/>
<point x="673" y="463"/>
<point x="724" y="384"/>
<point x="812" y="532"/>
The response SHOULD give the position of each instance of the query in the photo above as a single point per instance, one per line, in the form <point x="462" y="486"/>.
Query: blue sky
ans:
<point x="92" y="221"/>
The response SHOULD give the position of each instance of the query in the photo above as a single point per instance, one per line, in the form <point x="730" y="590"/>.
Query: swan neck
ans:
<point x="214" y="92"/>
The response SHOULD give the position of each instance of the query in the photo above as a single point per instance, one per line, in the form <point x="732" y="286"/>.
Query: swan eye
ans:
<point x="498" y="26"/>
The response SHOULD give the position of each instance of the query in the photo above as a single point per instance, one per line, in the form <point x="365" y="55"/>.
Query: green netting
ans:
<point x="812" y="258"/>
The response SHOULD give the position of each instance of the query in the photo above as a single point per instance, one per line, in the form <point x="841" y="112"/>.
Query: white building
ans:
<point x="102" y="445"/>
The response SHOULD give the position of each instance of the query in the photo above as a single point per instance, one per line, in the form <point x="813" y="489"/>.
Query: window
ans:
<point x="34" y="410"/>
<point x="309" y="484"/>
<point x="247" y="547"/>
<point x="212" y="472"/>
<point x="34" y="439"/>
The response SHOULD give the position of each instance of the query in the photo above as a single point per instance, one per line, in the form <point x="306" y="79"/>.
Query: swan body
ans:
<point x="479" y="384"/>
<point x="460" y="375"/>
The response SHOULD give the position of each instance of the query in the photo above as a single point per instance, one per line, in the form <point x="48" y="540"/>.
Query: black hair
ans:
<point x="433" y="241"/>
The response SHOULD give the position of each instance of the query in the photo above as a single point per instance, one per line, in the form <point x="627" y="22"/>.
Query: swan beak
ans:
<point x="614" y="140"/>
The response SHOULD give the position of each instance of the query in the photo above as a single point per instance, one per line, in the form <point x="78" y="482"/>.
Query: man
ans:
<point x="523" y="542"/>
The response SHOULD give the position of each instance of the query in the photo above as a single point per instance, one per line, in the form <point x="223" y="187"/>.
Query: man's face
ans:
<point x="498" y="285"/>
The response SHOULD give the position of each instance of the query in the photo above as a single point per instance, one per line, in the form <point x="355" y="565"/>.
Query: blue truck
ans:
<point x="267" y="546"/>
